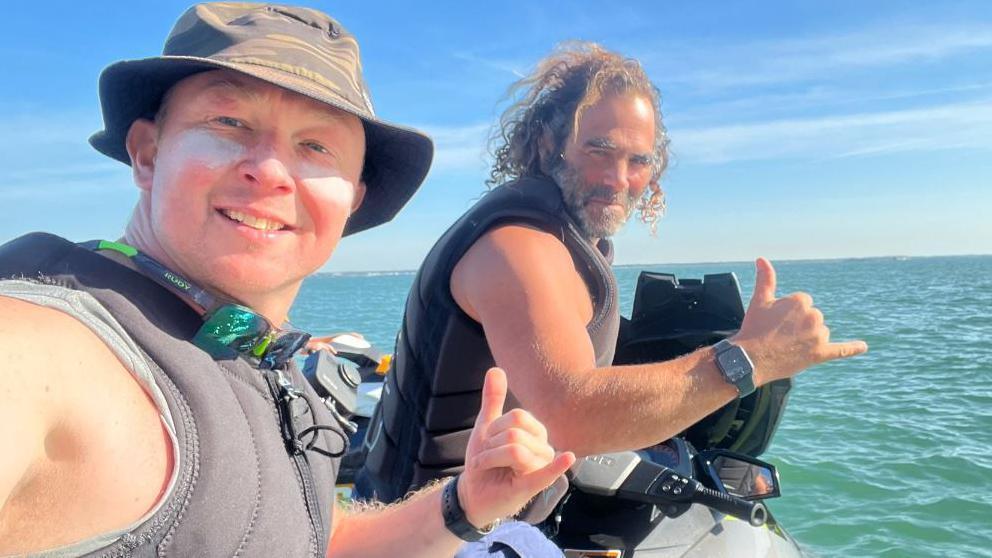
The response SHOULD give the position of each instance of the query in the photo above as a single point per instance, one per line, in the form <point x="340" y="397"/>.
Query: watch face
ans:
<point x="734" y="364"/>
<point x="736" y="373"/>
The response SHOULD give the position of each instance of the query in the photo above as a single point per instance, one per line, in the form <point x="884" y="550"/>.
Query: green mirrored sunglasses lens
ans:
<point x="230" y="330"/>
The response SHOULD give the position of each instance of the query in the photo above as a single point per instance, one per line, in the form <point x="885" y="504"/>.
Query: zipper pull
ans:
<point x="287" y="390"/>
<point x="288" y="393"/>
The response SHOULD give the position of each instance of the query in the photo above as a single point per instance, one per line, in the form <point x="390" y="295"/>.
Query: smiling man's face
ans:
<point x="607" y="163"/>
<point x="246" y="186"/>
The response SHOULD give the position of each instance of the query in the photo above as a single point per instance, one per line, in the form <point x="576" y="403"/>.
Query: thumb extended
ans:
<point x="764" y="282"/>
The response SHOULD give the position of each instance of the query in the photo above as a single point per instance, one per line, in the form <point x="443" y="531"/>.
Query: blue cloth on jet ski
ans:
<point x="515" y="539"/>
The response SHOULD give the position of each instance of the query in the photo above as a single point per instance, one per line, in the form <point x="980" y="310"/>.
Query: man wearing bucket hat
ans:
<point x="170" y="420"/>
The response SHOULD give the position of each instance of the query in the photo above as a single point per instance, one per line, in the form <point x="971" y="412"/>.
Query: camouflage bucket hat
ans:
<point x="299" y="49"/>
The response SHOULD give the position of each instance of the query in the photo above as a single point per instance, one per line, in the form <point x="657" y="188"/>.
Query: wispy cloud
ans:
<point x="66" y="191"/>
<point x="822" y="57"/>
<point x="458" y="148"/>
<point x="951" y="126"/>
<point x="513" y="67"/>
<point x="941" y="127"/>
<point x="819" y="99"/>
<point x="63" y="171"/>
<point x="26" y="121"/>
<point x="45" y="156"/>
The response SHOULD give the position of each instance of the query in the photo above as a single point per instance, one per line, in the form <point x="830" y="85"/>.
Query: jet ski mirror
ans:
<point x="741" y="475"/>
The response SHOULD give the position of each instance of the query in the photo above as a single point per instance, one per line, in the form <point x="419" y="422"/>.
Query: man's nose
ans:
<point x="266" y="166"/>
<point x="617" y="176"/>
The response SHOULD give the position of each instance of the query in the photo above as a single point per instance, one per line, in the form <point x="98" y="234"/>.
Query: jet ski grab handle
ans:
<point x="625" y="475"/>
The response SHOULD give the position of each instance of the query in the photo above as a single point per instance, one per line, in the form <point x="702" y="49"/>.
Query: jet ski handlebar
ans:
<point x="754" y="513"/>
<point x="626" y="475"/>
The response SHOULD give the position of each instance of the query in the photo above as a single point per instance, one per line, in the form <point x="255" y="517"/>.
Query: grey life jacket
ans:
<point x="243" y="488"/>
<point x="431" y="396"/>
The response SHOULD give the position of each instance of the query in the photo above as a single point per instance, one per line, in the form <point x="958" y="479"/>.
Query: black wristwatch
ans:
<point x="454" y="515"/>
<point x="736" y="367"/>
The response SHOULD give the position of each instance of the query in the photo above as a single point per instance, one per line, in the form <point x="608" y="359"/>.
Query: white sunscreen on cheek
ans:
<point x="209" y="149"/>
<point x="327" y="184"/>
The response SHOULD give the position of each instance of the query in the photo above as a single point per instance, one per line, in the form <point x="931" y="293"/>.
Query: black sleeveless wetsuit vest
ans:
<point x="432" y="394"/>
<point x="241" y="490"/>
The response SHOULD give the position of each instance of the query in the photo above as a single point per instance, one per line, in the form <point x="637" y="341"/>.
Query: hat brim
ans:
<point x="397" y="159"/>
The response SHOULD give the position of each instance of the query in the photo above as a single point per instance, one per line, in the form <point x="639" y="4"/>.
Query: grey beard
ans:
<point x="576" y="194"/>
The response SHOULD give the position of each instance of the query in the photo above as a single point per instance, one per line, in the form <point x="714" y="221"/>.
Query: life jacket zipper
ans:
<point x="284" y="393"/>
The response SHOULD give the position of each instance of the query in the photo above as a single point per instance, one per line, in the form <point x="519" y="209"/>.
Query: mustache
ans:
<point x="608" y="195"/>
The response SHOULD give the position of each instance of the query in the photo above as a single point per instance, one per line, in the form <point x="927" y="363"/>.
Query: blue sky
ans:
<point x="799" y="129"/>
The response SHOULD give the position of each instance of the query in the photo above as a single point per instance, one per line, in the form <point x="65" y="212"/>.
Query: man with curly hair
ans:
<point x="523" y="280"/>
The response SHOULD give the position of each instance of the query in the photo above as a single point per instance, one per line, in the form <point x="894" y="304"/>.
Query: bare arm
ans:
<point x="412" y="527"/>
<point x="24" y="419"/>
<point x="70" y="416"/>
<point x="508" y="461"/>
<point x="521" y="285"/>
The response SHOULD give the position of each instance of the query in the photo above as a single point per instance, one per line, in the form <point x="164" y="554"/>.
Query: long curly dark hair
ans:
<point x="552" y="99"/>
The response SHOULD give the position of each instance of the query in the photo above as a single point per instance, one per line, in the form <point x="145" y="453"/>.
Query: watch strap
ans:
<point x="454" y="515"/>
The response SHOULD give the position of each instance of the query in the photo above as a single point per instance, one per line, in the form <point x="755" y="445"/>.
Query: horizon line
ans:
<point x="713" y="262"/>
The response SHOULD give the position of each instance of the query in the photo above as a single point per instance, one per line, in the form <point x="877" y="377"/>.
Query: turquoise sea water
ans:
<point x="888" y="454"/>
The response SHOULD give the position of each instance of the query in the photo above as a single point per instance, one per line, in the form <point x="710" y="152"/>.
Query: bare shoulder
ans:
<point x="520" y="245"/>
<point x="34" y="341"/>
<point x="35" y="345"/>
<point x="24" y="418"/>
<point x="42" y="349"/>
<point x="69" y="410"/>
<point x="518" y="263"/>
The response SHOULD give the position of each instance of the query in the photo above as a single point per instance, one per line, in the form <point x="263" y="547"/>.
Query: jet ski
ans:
<point x="699" y="494"/>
